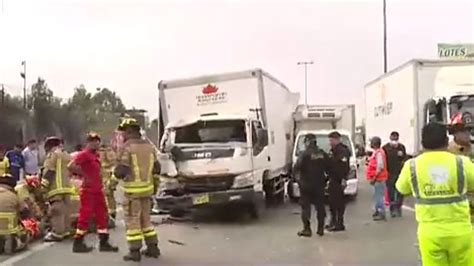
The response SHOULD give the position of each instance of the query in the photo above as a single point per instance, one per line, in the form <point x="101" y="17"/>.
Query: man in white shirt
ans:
<point x="30" y="153"/>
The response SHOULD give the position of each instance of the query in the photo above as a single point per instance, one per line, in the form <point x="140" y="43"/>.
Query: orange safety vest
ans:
<point x="372" y="167"/>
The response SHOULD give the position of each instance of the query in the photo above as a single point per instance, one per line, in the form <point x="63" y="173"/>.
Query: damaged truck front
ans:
<point x="221" y="142"/>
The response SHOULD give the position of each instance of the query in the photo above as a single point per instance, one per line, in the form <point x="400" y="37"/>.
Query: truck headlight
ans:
<point x="243" y="180"/>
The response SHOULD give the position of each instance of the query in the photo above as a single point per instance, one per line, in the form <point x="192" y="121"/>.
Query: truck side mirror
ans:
<point x="262" y="137"/>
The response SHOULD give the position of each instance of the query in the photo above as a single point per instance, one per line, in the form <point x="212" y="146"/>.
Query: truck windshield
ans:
<point x="461" y="105"/>
<point x="221" y="131"/>
<point x="323" y="143"/>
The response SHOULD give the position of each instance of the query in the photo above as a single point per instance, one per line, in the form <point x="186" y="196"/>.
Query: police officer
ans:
<point x="55" y="181"/>
<point x="137" y="167"/>
<point x="338" y="170"/>
<point x="311" y="167"/>
<point x="439" y="181"/>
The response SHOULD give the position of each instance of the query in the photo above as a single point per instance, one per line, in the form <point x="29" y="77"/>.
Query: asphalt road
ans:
<point x="230" y="237"/>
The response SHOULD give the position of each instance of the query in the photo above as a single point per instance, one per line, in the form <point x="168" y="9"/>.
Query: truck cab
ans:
<point x="444" y="109"/>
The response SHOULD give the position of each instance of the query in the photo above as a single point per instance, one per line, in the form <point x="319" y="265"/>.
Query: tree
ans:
<point x="45" y="109"/>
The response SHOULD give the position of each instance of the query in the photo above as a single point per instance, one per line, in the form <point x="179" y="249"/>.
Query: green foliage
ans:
<point x="50" y="115"/>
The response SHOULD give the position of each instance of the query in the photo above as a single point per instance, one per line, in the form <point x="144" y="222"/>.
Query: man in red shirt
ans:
<point x="87" y="165"/>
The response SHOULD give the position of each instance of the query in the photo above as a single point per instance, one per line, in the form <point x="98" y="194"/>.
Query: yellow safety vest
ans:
<point x="4" y="166"/>
<point x="440" y="196"/>
<point x="9" y="223"/>
<point x="140" y="186"/>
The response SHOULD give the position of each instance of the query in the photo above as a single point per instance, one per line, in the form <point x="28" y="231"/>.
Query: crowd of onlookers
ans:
<point x="23" y="159"/>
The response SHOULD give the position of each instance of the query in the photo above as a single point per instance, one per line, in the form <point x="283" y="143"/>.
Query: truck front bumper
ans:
<point x="208" y="199"/>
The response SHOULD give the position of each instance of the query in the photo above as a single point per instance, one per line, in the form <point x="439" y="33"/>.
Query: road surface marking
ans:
<point x="27" y="253"/>
<point x="408" y="208"/>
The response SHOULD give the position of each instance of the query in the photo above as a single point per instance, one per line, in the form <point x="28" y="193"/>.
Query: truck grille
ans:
<point x="207" y="184"/>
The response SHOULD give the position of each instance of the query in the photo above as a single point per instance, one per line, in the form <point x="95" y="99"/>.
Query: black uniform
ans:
<point x="312" y="167"/>
<point x="338" y="171"/>
<point x="396" y="156"/>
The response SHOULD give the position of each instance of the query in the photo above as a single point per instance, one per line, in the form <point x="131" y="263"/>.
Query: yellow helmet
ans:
<point x="128" y="122"/>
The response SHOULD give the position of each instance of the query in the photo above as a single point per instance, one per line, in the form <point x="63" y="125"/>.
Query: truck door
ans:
<point x="260" y="148"/>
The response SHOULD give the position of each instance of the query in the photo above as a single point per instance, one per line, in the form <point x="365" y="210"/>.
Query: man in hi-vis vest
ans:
<point x="439" y="181"/>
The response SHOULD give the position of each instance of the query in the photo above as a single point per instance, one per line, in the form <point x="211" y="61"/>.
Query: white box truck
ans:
<point x="228" y="138"/>
<point x="321" y="120"/>
<point x="415" y="93"/>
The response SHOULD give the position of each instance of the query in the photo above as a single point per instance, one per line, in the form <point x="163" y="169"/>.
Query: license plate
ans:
<point x="201" y="199"/>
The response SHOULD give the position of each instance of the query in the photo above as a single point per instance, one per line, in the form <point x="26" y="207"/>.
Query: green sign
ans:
<point x="459" y="51"/>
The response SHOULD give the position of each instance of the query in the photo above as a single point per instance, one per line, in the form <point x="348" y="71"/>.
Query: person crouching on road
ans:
<point x="396" y="156"/>
<point x="439" y="182"/>
<point x="13" y="237"/>
<point x="311" y="166"/>
<point x="92" y="199"/>
<point x="55" y="181"/>
<point x="137" y="167"/>
<point x="377" y="175"/>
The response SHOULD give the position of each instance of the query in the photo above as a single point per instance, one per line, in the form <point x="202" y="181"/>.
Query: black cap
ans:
<point x="394" y="134"/>
<point x="376" y="141"/>
<point x="334" y="135"/>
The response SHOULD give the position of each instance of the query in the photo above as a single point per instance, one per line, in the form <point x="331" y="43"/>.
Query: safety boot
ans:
<point x="152" y="251"/>
<point x="380" y="217"/>
<point x="133" y="255"/>
<point x="79" y="246"/>
<point x="104" y="244"/>
<point x="306" y="232"/>
<point x="52" y="237"/>
<point x="320" y="231"/>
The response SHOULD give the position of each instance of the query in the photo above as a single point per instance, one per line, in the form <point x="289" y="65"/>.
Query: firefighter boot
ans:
<point x="306" y="232"/>
<point x="320" y="231"/>
<point x="152" y="251"/>
<point x="133" y="255"/>
<point x="104" y="244"/>
<point x="79" y="246"/>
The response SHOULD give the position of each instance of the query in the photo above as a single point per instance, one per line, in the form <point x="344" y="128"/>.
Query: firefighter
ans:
<point x="12" y="235"/>
<point x="338" y="170"/>
<point x="92" y="200"/>
<point x="439" y="181"/>
<point x="55" y="180"/>
<point x="28" y="191"/>
<point x="4" y="163"/>
<point x="312" y="166"/>
<point x="107" y="163"/>
<point x="136" y="168"/>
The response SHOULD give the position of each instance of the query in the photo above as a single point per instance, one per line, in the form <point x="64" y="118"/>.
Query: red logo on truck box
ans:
<point x="211" y="95"/>
<point x="209" y="89"/>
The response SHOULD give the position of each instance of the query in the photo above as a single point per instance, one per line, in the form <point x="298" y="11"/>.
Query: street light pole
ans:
<point x="23" y="75"/>
<point x="305" y="63"/>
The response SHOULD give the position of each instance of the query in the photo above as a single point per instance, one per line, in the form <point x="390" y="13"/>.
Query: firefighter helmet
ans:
<point x="127" y="123"/>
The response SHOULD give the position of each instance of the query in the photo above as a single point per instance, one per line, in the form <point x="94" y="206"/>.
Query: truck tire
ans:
<point x="178" y="213"/>
<point x="289" y="188"/>
<point x="255" y="208"/>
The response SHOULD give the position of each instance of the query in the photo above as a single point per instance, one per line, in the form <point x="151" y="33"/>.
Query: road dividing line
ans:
<point x="26" y="254"/>
<point x="408" y="208"/>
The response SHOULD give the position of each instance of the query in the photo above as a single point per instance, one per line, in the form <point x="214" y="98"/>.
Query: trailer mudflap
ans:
<point x="208" y="199"/>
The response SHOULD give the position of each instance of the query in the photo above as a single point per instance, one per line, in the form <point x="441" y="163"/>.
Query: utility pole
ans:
<point x="3" y="95"/>
<point x="23" y="75"/>
<point x="384" y="37"/>
<point x="305" y="63"/>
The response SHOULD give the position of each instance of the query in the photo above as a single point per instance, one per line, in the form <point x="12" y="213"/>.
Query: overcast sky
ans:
<point x="128" y="46"/>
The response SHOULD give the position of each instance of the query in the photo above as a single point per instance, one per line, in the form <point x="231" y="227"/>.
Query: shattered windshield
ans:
<point x="323" y="143"/>
<point x="212" y="132"/>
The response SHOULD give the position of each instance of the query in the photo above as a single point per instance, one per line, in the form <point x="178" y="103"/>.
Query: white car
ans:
<point x="323" y="143"/>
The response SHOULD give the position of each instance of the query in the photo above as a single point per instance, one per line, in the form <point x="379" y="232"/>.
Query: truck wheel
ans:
<point x="256" y="207"/>
<point x="289" y="188"/>
<point x="178" y="213"/>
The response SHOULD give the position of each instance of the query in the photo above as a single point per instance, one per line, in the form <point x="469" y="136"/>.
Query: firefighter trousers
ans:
<point x="447" y="250"/>
<point x="92" y="206"/>
<point x="60" y="215"/>
<point x="111" y="204"/>
<point x="13" y="242"/>
<point x="138" y="222"/>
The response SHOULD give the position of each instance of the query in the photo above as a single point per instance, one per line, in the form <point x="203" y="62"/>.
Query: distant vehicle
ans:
<point x="415" y="93"/>
<point x="225" y="138"/>
<point x="321" y="120"/>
